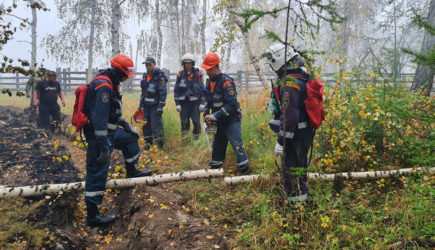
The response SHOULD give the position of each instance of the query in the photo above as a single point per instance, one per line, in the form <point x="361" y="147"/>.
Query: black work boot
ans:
<point x="133" y="172"/>
<point x="97" y="219"/>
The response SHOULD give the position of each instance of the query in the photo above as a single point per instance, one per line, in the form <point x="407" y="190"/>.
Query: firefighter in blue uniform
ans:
<point x="152" y="102"/>
<point x="188" y="95"/>
<point x="104" y="110"/>
<point x="221" y="96"/>
<point x="295" y="131"/>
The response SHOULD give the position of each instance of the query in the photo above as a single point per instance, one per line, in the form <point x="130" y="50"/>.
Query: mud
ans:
<point x="148" y="217"/>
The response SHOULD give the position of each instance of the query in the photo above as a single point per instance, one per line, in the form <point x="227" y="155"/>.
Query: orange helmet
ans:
<point x="210" y="60"/>
<point x="124" y="63"/>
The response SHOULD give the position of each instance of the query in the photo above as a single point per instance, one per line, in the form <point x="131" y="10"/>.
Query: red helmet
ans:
<point x="124" y="63"/>
<point x="210" y="60"/>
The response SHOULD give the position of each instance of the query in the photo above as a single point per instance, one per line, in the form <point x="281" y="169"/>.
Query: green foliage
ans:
<point x="250" y="16"/>
<point x="16" y="229"/>
<point x="388" y="133"/>
<point x="301" y="13"/>
<point x="427" y="59"/>
<point x="424" y="23"/>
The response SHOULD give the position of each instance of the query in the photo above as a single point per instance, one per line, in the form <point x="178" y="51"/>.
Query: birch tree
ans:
<point x="82" y="32"/>
<point x="33" y="25"/>
<point x="203" y="25"/>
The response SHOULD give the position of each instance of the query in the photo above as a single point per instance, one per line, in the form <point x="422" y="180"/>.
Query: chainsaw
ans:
<point x="211" y="126"/>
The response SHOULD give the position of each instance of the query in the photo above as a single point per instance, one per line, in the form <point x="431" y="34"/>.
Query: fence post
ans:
<point x="69" y="79"/>
<point x="246" y="81"/>
<point x="17" y="81"/>
<point x="64" y="85"/>
<point x="239" y="76"/>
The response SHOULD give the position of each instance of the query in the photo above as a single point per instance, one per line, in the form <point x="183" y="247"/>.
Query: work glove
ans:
<point x="178" y="108"/>
<point x="103" y="157"/>
<point x="278" y="149"/>
<point x="202" y="108"/>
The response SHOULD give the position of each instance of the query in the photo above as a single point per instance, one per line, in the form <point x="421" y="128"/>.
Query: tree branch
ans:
<point x="21" y="41"/>
<point x="22" y="19"/>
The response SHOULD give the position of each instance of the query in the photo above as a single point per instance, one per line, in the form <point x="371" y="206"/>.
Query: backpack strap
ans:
<point x="198" y="74"/>
<point x="298" y="76"/>
<point x="102" y="77"/>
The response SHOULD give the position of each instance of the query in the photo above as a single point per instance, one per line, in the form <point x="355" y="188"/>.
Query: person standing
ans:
<point x="45" y="98"/>
<point x="152" y="102"/>
<point x="221" y="96"/>
<point x="294" y="128"/>
<point x="188" y="95"/>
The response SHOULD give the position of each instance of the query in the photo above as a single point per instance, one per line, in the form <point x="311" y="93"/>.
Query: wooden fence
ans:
<point x="246" y="81"/>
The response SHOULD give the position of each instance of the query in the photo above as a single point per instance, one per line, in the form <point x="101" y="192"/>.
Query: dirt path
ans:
<point x="148" y="217"/>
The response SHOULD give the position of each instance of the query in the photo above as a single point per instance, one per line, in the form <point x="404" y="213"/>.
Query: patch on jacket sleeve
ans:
<point x="163" y="81"/>
<point x="285" y="100"/>
<point x="230" y="89"/>
<point x="105" y="97"/>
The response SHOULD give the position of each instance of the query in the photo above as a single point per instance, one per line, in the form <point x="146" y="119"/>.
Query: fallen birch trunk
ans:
<point x="27" y="191"/>
<point x="317" y="176"/>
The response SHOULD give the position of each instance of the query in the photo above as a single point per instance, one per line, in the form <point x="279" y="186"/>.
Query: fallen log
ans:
<point x="27" y="191"/>
<point x="318" y="176"/>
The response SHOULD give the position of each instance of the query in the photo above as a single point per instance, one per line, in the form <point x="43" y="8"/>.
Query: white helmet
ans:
<point x="187" y="58"/>
<point x="275" y="55"/>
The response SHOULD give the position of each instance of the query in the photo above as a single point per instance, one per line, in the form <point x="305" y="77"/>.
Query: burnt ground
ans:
<point x="148" y="217"/>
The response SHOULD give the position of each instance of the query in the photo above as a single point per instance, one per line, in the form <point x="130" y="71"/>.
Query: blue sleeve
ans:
<point x="230" y="99"/>
<point x="100" y="115"/>
<point x="176" y="89"/>
<point x="162" y="92"/>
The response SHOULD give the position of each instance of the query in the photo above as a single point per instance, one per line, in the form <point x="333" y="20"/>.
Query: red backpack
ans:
<point x="314" y="101"/>
<point x="79" y="119"/>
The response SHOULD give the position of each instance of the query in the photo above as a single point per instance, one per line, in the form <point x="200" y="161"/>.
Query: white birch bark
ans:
<point x="28" y="191"/>
<point x="318" y="176"/>
<point x="91" y="40"/>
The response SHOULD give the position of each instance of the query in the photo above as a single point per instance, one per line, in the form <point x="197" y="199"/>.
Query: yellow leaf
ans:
<point x="65" y="157"/>
<point x="119" y="239"/>
<point x="59" y="159"/>
<point x="163" y="207"/>
<point x="151" y="216"/>
<point x="181" y="227"/>
<point x="186" y="209"/>
<point x="170" y="231"/>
